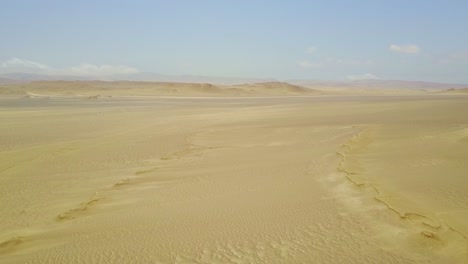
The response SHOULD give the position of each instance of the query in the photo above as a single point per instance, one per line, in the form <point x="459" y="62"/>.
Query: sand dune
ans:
<point x="378" y="84"/>
<point x="132" y="88"/>
<point x="126" y="88"/>
<point x="326" y="179"/>
<point x="274" y="88"/>
<point x="456" y="91"/>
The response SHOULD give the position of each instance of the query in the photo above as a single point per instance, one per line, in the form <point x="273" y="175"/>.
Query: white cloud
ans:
<point x="311" y="50"/>
<point x="410" y="49"/>
<point x="307" y="64"/>
<point x="456" y="57"/>
<point x="365" y="76"/>
<point x="334" y="62"/>
<point x="26" y="66"/>
<point x="91" y="70"/>
<point x="16" y="63"/>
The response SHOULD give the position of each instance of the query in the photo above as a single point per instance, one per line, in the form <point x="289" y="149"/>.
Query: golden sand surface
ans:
<point x="325" y="179"/>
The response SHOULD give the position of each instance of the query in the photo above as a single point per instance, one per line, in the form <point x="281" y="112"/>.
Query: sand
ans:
<point x="314" y="179"/>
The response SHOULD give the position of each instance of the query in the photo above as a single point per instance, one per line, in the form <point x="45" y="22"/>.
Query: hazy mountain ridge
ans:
<point x="8" y="81"/>
<point x="456" y="91"/>
<point x="379" y="84"/>
<point x="11" y="78"/>
<point x="132" y="88"/>
<point x="139" y="77"/>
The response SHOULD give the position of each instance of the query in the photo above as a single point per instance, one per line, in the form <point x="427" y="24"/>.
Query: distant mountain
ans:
<point x="29" y="77"/>
<point x="144" y="76"/>
<point x="9" y="78"/>
<point x="107" y="89"/>
<point x="456" y="91"/>
<point x="378" y="84"/>
<point x="274" y="88"/>
<point x="8" y="81"/>
<point x="155" y="77"/>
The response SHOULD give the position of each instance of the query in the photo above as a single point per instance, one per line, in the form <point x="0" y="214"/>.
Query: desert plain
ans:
<point x="97" y="172"/>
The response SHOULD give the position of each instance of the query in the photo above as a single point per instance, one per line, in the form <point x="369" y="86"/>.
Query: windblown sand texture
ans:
<point x="313" y="179"/>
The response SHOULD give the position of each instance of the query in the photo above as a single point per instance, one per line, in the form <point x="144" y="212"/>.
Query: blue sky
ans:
<point x="326" y="40"/>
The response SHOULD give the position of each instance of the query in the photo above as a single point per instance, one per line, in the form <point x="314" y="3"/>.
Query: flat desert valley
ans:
<point x="261" y="173"/>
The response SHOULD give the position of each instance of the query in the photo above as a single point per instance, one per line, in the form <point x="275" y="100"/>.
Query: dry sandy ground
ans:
<point x="330" y="179"/>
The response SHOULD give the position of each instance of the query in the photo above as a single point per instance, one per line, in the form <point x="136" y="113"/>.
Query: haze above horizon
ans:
<point x="336" y="40"/>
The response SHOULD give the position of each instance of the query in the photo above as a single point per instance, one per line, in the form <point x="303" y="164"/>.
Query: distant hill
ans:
<point x="274" y="88"/>
<point x="100" y="89"/>
<point x="240" y="83"/>
<point x="378" y="84"/>
<point x="456" y="91"/>
<point x="8" y="81"/>
<point x="144" y="76"/>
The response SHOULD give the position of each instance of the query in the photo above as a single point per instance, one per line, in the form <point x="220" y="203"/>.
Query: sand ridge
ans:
<point x="430" y="226"/>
